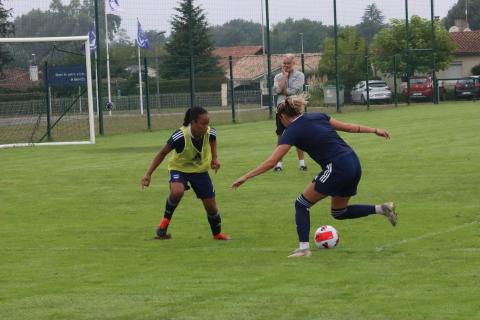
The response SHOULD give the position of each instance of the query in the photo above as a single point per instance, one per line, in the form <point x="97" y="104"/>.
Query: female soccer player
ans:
<point x="316" y="134"/>
<point x="195" y="151"/>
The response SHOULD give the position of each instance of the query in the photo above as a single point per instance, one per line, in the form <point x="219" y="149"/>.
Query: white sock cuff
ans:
<point x="304" y="245"/>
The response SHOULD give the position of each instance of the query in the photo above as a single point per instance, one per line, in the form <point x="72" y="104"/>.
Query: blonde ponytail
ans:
<point x="293" y="105"/>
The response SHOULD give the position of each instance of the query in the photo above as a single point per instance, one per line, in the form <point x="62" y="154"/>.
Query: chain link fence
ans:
<point x="149" y="89"/>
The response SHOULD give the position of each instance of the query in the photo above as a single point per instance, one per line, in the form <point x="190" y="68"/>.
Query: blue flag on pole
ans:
<point x="142" y="40"/>
<point x="92" y="38"/>
<point x="113" y="7"/>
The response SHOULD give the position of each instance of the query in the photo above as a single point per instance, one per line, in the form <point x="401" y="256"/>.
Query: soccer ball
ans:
<point x="326" y="237"/>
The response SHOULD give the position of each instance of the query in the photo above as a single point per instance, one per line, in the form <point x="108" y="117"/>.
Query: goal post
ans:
<point x="46" y="95"/>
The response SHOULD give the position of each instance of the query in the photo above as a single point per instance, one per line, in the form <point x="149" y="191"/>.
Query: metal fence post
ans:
<point x="232" y="89"/>
<point x="407" y="40"/>
<point x="337" y="77"/>
<point x="269" y="62"/>
<point x="192" y="64"/>
<point x="47" y="92"/>
<point x="395" y="80"/>
<point x="303" y="71"/>
<point x="147" y="95"/>
<point x="99" y="74"/>
<point x="367" y="78"/>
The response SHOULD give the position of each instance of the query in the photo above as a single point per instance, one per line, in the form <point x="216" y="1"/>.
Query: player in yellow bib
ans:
<point x="195" y="151"/>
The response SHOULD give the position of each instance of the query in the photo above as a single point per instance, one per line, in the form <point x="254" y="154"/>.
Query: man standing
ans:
<point x="288" y="82"/>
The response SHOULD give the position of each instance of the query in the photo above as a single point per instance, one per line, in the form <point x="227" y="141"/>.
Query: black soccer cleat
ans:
<point x="162" y="234"/>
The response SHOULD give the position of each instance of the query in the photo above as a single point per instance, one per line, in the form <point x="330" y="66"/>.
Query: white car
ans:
<point x="378" y="92"/>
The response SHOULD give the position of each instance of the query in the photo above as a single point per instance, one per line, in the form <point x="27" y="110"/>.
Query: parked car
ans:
<point x="378" y="92"/>
<point x="468" y="88"/>
<point x="421" y="87"/>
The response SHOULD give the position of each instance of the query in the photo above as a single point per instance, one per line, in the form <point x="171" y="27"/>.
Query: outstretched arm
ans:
<point x="357" y="128"/>
<point x="268" y="164"/>
<point x="145" y="182"/>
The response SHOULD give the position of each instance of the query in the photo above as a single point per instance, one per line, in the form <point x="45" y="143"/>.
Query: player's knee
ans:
<point x="176" y="195"/>
<point x="339" y="214"/>
<point x="302" y="203"/>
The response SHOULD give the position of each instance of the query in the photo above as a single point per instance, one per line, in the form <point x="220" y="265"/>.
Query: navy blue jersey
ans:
<point x="177" y="140"/>
<point x="313" y="133"/>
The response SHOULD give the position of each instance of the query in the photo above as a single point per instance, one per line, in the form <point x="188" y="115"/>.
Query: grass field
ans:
<point x="76" y="230"/>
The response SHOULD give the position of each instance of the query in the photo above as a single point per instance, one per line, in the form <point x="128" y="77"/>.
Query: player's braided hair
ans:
<point x="293" y="105"/>
<point x="193" y="114"/>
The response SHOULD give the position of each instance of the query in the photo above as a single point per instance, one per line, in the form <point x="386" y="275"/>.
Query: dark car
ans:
<point x="468" y="88"/>
<point x="421" y="87"/>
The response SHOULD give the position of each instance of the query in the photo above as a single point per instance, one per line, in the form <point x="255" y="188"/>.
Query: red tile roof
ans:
<point x="238" y="51"/>
<point x="252" y="67"/>
<point x="235" y="52"/>
<point x="467" y="42"/>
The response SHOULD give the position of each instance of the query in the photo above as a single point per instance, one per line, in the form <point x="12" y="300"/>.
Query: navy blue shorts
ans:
<point x="200" y="182"/>
<point x="340" y="177"/>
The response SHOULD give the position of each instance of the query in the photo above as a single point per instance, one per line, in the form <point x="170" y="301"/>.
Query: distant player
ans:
<point x="316" y="133"/>
<point x="195" y="150"/>
<point x="287" y="83"/>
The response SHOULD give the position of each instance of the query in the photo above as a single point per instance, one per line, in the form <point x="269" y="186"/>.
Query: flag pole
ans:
<point x="108" y="63"/>
<point x="140" y="79"/>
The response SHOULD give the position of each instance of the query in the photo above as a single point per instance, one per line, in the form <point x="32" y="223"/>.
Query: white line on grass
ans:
<point x="135" y="249"/>
<point x="424" y="236"/>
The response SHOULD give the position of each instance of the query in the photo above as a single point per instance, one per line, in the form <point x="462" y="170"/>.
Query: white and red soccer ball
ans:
<point x="326" y="237"/>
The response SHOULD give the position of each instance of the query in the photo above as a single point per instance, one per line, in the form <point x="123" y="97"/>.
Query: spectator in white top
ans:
<point x="289" y="82"/>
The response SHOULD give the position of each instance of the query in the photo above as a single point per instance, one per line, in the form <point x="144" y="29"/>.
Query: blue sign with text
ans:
<point x="67" y="76"/>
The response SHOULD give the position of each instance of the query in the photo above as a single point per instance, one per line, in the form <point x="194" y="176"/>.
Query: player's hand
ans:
<point x="382" y="133"/>
<point x="145" y="182"/>
<point x="215" y="165"/>
<point x="237" y="183"/>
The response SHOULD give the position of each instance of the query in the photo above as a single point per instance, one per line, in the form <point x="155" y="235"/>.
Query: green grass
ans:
<point x="76" y="231"/>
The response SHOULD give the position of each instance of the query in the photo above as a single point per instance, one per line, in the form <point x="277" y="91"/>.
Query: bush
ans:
<point x="476" y="70"/>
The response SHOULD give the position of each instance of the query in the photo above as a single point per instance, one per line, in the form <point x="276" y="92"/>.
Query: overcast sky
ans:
<point x="155" y="14"/>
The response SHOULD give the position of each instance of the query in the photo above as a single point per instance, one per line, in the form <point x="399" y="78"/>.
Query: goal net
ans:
<point x="45" y="91"/>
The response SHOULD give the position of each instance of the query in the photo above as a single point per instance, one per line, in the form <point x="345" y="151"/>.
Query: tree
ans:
<point x="6" y="29"/>
<point x="458" y="12"/>
<point x="351" y="57"/>
<point x="391" y="41"/>
<point x="72" y="19"/>
<point x="237" y="32"/>
<point x="476" y="70"/>
<point x="190" y="28"/>
<point x="285" y="36"/>
<point x="372" y="22"/>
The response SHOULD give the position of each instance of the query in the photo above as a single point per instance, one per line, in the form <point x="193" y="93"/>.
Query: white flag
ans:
<point x="113" y="7"/>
